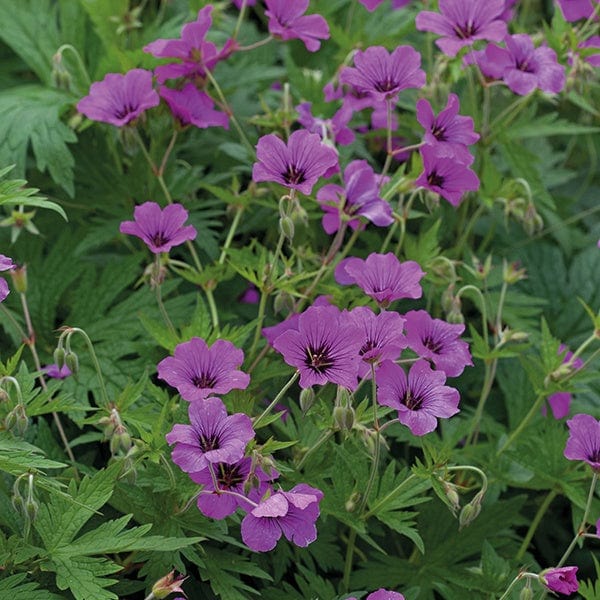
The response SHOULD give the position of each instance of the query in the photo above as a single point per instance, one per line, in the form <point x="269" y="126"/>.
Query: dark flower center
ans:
<point x="595" y="456"/>
<point x="435" y="180"/>
<point x="433" y="345"/>
<point x="523" y="65"/>
<point x="466" y="31"/>
<point x="411" y="402"/>
<point x="208" y="442"/>
<point x="439" y="132"/>
<point x="367" y="346"/>
<point x="126" y="110"/>
<point x="204" y="380"/>
<point x="386" y="85"/>
<point x="294" y="175"/>
<point x="229" y="476"/>
<point x="318" y="358"/>
<point x="159" y="239"/>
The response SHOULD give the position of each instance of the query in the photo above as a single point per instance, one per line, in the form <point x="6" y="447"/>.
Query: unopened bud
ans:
<point x="469" y="513"/>
<point x="72" y="361"/>
<point x="343" y="417"/>
<point x="447" y="299"/>
<point x="452" y="495"/>
<point x="283" y="303"/>
<point x="59" y="357"/>
<point x="167" y="585"/>
<point x="511" y="273"/>
<point x="61" y="78"/>
<point x="307" y="399"/>
<point x="16" y="420"/>
<point x="526" y="593"/>
<point x="351" y="503"/>
<point x="4" y="397"/>
<point x="31" y="507"/>
<point x="120" y="440"/>
<point x="19" y="278"/>
<point x="455" y="315"/>
<point x="286" y="226"/>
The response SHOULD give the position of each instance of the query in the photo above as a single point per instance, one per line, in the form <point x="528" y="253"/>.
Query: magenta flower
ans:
<point x="119" y="99"/>
<point x="335" y="129"/>
<point x="562" y="580"/>
<point x="437" y="341"/>
<point x="160" y="229"/>
<point x="449" y="131"/>
<point x="521" y="66"/>
<point x="584" y="440"/>
<point x="297" y="165"/>
<point x="292" y="514"/>
<point x="382" y="337"/>
<point x="231" y="478"/>
<point x="382" y="594"/>
<point x="382" y="75"/>
<point x="251" y="295"/>
<point x="55" y="373"/>
<point x="462" y="22"/>
<point x="198" y="371"/>
<point x="446" y="176"/>
<point x="190" y="106"/>
<point x="196" y="54"/>
<point x="573" y="10"/>
<point x="359" y="198"/>
<point x="6" y="264"/>
<point x="592" y="42"/>
<point x="288" y="22"/>
<point x="419" y="398"/>
<point x="560" y="402"/>
<point x="212" y="437"/>
<point x="238" y="3"/>
<point x="382" y="276"/>
<point x="324" y="347"/>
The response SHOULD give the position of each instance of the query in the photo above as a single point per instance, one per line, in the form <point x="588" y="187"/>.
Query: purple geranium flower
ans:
<point x="296" y="165"/>
<point x="251" y="295"/>
<point x="438" y="342"/>
<point x="288" y="22"/>
<point x="119" y="99"/>
<point x="55" y="373"/>
<point x="382" y="594"/>
<point x="592" y="42"/>
<point x="160" y="229"/>
<point x="521" y="66"/>
<point x="382" y="276"/>
<point x="231" y="477"/>
<point x="198" y="371"/>
<point x="360" y="198"/>
<point x="335" y="129"/>
<point x="584" y="440"/>
<point x="560" y="402"/>
<point x="190" y="106"/>
<point x="292" y="514"/>
<point x="419" y="398"/>
<point x="213" y="437"/>
<point x="462" y="22"/>
<point x="6" y="264"/>
<point x="449" y="131"/>
<point x="562" y="580"/>
<point x="382" y="75"/>
<point x="573" y="10"/>
<point x="382" y="337"/>
<point x="195" y="53"/>
<point x="324" y="347"/>
<point x="446" y="176"/>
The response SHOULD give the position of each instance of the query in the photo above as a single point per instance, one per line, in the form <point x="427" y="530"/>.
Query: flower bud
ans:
<point x="511" y="273"/>
<point x="167" y="585"/>
<point x="452" y="495"/>
<point x="16" y="420"/>
<point x="72" y="361"/>
<point x="31" y="507"/>
<point x="286" y="226"/>
<point x="307" y="399"/>
<point x="351" y="503"/>
<point x="4" y="397"/>
<point x="343" y="417"/>
<point x="59" y="356"/>
<point x="60" y="76"/>
<point x="120" y="440"/>
<point x="468" y="514"/>
<point x="19" y="278"/>
<point x="526" y="593"/>
<point x="283" y="303"/>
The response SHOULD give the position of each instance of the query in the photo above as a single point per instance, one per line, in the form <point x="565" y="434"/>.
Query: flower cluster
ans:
<point x="327" y="345"/>
<point x="212" y="450"/>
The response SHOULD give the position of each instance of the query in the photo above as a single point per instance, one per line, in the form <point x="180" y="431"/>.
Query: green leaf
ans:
<point x="30" y="115"/>
<point x="13" y="587"/>
<point x="84" y="576"/>
<point x="17" y="456"/>
<point x="547" y="125"/>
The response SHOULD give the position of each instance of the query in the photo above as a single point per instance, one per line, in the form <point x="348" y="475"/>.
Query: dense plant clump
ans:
<point x="311" y="305"/>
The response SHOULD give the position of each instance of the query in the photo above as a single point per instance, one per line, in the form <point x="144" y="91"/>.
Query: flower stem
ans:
<point x="322" y="439"/>
<point x="388" y="497"/>
<point x="523" y="424"/>
<point x="389" y="150"/>
<point x="240" y="19"/>
<point x="581" y="529"/>
<point x="231" y="233"/>
<point x="255" y="45"/>
<point x="534" y="524"/>
<point x="277" y="398"/>
<point x="161" y="306"/>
